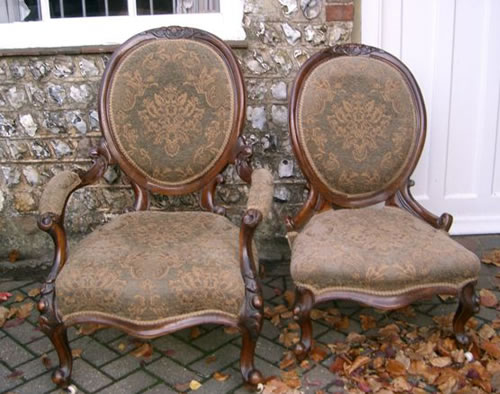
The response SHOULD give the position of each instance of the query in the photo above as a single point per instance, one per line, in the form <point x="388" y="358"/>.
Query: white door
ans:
<point x="453" y="49"/>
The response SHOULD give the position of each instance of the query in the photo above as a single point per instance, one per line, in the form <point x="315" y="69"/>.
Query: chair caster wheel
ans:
<point x="71" y="389"/>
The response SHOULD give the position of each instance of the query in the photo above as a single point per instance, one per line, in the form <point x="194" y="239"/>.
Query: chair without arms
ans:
<point x="357" y="124"/>
<point x="171" y="105"/>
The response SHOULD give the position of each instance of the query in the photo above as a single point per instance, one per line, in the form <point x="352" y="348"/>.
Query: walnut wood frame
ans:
<point x="238" y="152"/>
<point x="397" y="194"/>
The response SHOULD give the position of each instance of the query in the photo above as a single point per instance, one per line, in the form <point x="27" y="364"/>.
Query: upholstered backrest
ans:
<point x="357" y="122"/>
<point x="172" y="106"/>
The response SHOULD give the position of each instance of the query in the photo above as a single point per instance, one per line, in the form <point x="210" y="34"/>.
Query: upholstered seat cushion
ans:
<point x="384" y="251"/>
<point x="149" y="266"/>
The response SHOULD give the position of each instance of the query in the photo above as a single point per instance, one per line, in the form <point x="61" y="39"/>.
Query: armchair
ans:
<point x="171" y="103"/>
<point x="357" y="124"/>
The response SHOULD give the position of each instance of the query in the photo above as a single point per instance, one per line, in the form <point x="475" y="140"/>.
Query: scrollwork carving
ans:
<point x="241" y="158"/>
<point x="207" y="196"/>
<point x="354" y="50"/>
<point x="172" y="32"/>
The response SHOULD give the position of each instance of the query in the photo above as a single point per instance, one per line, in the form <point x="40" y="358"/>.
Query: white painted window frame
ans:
<point x="112" y="30"/>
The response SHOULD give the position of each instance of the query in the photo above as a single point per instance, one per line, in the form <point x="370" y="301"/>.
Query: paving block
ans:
<point x="269" y="330"/>
<point x="121" y="366"/>
<point x="171" y="372"/>
<point x="331" y="336"/>
<point x="134" y="383"/>
<point x="217" y="361"/>
<point x="268" y="350"/>
<point x="213" y="386"/>
<point x="25" y="333"/>
<point x="36" y="367"/>
<point x="317" y="378"/>
<point x="7" y="383"/>
<point x="213" y="339"/>
<point x="40" y="346"/>
<point x="93" y="351"/>
<point x="107" y="335"/>
<point x="11" y="285"/>
<point x="88" y="377"/>
<point x="41" y="384"/>
<point x="12" y="353"/>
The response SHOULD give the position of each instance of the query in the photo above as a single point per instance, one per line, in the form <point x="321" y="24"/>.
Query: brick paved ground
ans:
<point x="106" y="365"/>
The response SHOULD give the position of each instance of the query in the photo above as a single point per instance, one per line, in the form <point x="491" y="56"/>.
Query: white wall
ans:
<point x="453" y="49"/>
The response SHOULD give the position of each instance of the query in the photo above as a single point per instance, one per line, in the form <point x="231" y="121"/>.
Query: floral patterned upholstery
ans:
<point x="357" y="124"/>
<point x="382" y="251"/>
<point x="147" y="266"/>
<point x="57" y="191"/>
<point x="171" y="109"/>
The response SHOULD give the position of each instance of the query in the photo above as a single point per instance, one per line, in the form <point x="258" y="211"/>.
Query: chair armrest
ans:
<point x="260" y="196"/>
<point x="57" y="191"/>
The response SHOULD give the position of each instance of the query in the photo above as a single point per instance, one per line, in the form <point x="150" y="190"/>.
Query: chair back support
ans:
<point x="171" y="105"/>
<point x="357" y="122"/>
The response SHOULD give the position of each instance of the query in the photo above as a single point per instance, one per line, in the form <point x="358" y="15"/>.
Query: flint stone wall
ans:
<point x="48" y="122"/>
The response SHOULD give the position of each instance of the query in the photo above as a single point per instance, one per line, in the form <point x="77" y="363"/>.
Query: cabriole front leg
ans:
<point x="468" y="306"/>
<point x="55" y="330"/>
<point x="301" y="313"/>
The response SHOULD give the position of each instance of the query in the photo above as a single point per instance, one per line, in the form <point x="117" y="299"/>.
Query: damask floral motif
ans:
<point x="176" y="113"/>
<point x="358" y="122"/>
<point x="171" y="109"/>
<point x="377" y="250"/>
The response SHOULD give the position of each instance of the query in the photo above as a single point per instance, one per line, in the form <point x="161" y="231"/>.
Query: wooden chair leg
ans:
<point x="56" y="332"/>
<point x="250" y="373"/>
<point x="303" y="305"/>
<point x="468" y="305"/>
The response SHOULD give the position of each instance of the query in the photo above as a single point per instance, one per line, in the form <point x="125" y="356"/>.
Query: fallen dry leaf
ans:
<point x="492" y="257"/>
<point x="395" y="368"/>
<point x="488" y="298"/>
<point x="122" y="346"/>
<point x="440" y="362"/>
<point x="486" y="331"/>
<point x="276" y="386"/>
<point x="287" y="361"/>
<point x="89" y="328"/>
<point x="316" y="314"/>
<point x="367" y="322"/>
<point x="231" y="330"/>
<point x="76" y="353"/>
<point x="358" y="363"/>
<point x="4" y="312"/>
<point x="46" y="361"/>
<point x="13" y="323"/>
<point x="143" y="351"/>
<point x="221" y="377"/>
<point x="13" y="255"/>
<point x="194" y="385"/>
<point x="493" y="349"/>
<point x="354" y="337"/>
<point x="19" y="298"/>
<point x="337" y="365"/>
<point x="25" y="310"/>
<point x="34" y="292"/>
<point x="288" y="338"/>
<point x="318" y="353"/>
<point x="400" y="384"/>
<point x="194" y="332"/>
<point x="289" y="297"/>
<point x="181" y="387"/>
<point x="291" y="379"/>
<point x="15" y="374"/>
<point x="389" y="330"/>
<point x="210" y="359"/>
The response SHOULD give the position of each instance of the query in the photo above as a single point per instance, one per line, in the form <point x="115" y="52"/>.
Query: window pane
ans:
<point x="158" y="7"/>
<point x="19" y="10"/>
<point x="87" y="8"/>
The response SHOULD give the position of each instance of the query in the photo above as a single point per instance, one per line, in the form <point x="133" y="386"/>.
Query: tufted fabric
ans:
<point x="57" y="191"/>
<point x="260" y="196"/>
<point x="171" y="109"/>
<point x="379" y="251"/>
<point x="356" y="123"/>
<point x="146" y="266"/>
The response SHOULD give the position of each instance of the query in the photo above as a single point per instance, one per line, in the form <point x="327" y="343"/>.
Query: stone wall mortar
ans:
<point x="48" y="122"/>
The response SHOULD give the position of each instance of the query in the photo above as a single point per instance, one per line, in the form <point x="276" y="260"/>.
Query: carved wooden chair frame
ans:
<point x="396" y="194"/>
<point x="237" y="152"/>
